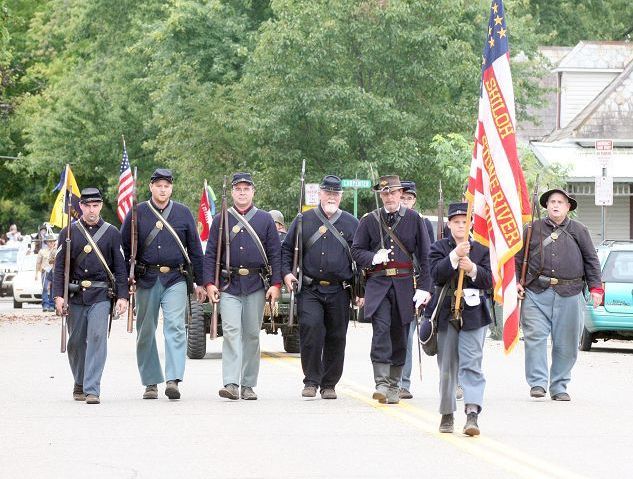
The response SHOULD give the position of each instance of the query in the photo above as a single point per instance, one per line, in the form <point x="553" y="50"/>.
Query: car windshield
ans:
<point x="619" y="267"/>
<point x="28" y="262"/>
<point x="8" y="255"/>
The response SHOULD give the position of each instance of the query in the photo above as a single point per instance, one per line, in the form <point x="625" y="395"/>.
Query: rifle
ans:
<point x="134" y="250"/>
<point x="440" y="214"/>
<point x="69" y="193"/>
<point x="528" y="238"/>
<point x="297" y="258"/>
<point x="223" y="228"/>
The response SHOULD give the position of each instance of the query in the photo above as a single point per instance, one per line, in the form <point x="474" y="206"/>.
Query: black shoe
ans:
<point x="447" y="423"/>
<point x="561" y="397"/>
<point x="537" y="392"/>
<point x="171" y="390"/>
<point x="471" y="428"/>
<point x="230" y="391"/>
<point x="78" y="393"/>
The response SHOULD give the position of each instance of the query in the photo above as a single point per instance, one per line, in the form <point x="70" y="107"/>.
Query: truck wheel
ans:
<point x="17" y="305"/>
<point x="196" y="335"/>
<point x="291" y="340"/>
<point x="586" y="340"/>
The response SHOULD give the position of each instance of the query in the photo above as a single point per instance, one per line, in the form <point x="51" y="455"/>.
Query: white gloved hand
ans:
<point x="421" y="298"/>
<point x="382" y="256"/>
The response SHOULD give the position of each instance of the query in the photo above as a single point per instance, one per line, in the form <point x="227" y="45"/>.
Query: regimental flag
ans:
<point x="66" y="182"/>
<point x="496" y="186"/>
<point x="206" y="211"/>
<point x="126" y="187"/>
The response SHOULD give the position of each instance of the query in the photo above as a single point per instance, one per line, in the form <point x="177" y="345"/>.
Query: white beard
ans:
<point x="330" y="209"/>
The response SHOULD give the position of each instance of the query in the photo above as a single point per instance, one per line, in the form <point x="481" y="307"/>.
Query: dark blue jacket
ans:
<point x="244" y="253"/>
<point x="326" y="259"/>
<point x="413" y="234"/>
<point x="164" y="250"/>
<point x="90" y="268"/>
<point x="442" y="272"/>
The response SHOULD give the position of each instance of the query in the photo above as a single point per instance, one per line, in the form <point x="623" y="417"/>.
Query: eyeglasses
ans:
<point x="246" y="189"/>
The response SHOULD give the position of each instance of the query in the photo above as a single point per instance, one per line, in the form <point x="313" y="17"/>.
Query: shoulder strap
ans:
<point x="391" y="234"/>
<point x="247" y="226"/>
<point x="157" y="229"/>
<point x="166" y="224"/>
<point x="95" y="248"/>
<point x="100" y="232"/>
<point x="329" y="224"/>
<point x="248" y="217"/>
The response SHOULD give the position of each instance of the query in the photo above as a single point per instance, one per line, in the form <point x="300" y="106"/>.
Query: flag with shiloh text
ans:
<point x="496" y="186"/>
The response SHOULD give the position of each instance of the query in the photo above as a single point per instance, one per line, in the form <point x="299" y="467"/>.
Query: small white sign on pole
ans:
<point x="604" y="151"/>
<point x="312" y="194"/>
<point x="604" y="191"/>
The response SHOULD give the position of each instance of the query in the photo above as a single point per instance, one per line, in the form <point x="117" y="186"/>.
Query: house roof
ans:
<point x="605" y="56"/>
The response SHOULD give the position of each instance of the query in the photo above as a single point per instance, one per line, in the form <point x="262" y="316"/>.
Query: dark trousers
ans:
<point x="389" y="341"/>
<point x="322" y="335"/>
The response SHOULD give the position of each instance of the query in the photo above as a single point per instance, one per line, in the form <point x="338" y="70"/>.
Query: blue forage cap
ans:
<point x="90" y="195"/>
<point x="242" y="177"/>
<point x="161" y="174"/>
<point x="455" y="209"/>
<point x="408" y="186"/>
<point x="331" y="183"/>
<point x="426" y="329"/>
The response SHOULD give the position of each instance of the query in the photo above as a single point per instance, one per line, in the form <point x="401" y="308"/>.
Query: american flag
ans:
<point x="496" y="187"/>
<point x="126" y="187"/>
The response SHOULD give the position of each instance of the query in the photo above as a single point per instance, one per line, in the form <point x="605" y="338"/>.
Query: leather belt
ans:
<point x="86" y="283"/>
<point x="308" y="281"/>
<point x="391" y="272"/>
<point x="562" y="282"/>
<point x="244" y="271"/>
<point x="162" y="268"/>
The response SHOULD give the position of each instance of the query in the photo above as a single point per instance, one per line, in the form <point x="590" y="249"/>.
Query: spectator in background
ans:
<point x="278" y="218"/>
<point x="44" y="267"/>
<point x="13" y="234"/>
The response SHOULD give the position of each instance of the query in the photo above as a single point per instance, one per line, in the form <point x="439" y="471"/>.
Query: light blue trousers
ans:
<point x="408" y="362"/>
<point x="241" y="323"/>
<point x="88" y="344"/>
<point x="459" y="357"/>
<point x="544" y="314"/>
<point x="173" y="301"/>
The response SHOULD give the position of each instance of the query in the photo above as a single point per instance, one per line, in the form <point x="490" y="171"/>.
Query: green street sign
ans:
<point x="355" y="183"/>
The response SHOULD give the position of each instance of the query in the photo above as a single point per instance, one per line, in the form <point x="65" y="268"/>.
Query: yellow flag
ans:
<point x="58" y="216"/>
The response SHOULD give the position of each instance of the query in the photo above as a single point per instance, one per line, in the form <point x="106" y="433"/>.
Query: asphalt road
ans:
<point x="47" y="434"/>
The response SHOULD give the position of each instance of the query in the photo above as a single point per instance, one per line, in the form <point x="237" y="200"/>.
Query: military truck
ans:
<point x="274" y="323"/>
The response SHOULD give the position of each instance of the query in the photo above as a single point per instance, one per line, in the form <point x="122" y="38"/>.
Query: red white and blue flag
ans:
<point x="206" y="212"/>
<point x="126" y="187"/>
<point x="496" y="186"/>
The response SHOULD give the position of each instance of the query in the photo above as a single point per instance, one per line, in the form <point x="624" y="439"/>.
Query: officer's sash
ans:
<point x="390" y="232"/>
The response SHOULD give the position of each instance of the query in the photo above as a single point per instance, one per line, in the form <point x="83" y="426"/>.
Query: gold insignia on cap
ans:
<point x="236" y="229"/>
<point x="159" y="225"/>
<point x="384" y="183"/>
<point x="87" y="248"/>
<point x="322" y="229"/>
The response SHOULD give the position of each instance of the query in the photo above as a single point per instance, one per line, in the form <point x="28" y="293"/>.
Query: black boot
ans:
<point x="471" y="428"/>
<point x="447" y="423"/>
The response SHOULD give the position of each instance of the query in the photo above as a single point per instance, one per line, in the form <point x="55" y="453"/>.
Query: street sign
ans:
<point x="312" y="194"/>
<point x="355" y="183"/>
<point x="604" y="150"/>
<point x="604" y="190"/>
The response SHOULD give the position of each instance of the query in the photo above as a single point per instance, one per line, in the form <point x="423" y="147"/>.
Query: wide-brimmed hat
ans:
<point x="50" y="237"/>
<point x="161" y="174"/>
<point x="90" y="195"/>
<point x="573" y="204"/>
<point x="388" y="183"/>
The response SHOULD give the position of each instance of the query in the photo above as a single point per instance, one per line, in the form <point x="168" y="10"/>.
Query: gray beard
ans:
<point x="330" y="209"/>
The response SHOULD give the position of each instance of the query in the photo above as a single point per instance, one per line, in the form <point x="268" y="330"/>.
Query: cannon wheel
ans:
<point x="291" y="339"/>
<point x="196" y="336"/>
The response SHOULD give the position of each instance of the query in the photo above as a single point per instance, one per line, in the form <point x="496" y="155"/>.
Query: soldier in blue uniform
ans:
<point x="460" y="345"/>
<point x="392" y="244"/>
<point x="97" y="278"/>
<point x="409" y="198"/>
<point x="324" y="299"/>
<point x="169" y="251"/>
<point x="253" y="277"/>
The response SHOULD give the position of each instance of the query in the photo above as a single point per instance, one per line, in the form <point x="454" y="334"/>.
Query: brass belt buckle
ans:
<point x="324" y="283"/>
<point x="164" y="269"/>
<point x="391" y="271"/>
<point x="242" y="271"/>
<point x="553" y="281"/>
<point x="86" y="283"/>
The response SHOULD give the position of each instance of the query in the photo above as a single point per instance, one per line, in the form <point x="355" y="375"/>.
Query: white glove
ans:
<point x="421" y="298"/>
<point x="382" y="256"/>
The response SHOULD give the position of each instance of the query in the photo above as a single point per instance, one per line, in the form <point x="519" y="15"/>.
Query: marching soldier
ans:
<point x="562" y="260"/>
<point x="254" y="276"/>
<point x="169" y="254"/>
<point x="324" y="300"/>
<point x="392" y="244"/>
<point x="460" y="344"/>
<point x="97" y="281"/>
<point x="409" y="198"/>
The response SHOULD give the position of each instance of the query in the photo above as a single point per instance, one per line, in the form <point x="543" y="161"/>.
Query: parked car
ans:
<point x="613" y="319"/>
<point x="27" y="289"/>
<point x="8" y="267"/>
